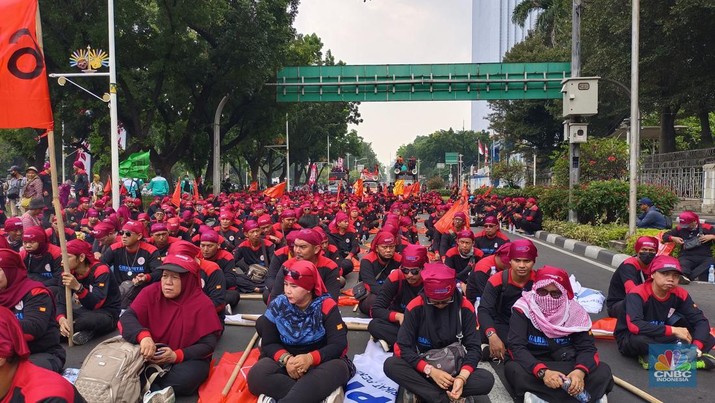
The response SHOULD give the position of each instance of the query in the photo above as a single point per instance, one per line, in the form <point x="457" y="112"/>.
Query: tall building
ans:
<point x="493" y="34"/>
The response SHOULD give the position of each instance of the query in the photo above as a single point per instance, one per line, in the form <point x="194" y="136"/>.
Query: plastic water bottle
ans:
<point x="493" y="270"/>
<point x="476" y="303"/>
<point x="581" y="397"/>
<point x="711" y="274"/>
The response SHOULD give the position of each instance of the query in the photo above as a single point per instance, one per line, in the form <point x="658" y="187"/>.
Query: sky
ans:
<point x="394" y="32"/>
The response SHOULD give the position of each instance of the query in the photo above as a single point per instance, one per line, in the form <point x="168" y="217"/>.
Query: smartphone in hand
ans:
<point x="160" y="346"/>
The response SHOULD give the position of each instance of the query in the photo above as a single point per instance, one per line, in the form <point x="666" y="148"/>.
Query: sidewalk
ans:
<point x="597" y="253"/>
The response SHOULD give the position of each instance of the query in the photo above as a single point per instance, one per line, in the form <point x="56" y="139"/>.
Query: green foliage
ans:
<point x="631" y="240"/>
<point x="435" y="183"/>
<point x="601" y="159"/>
<point x="511" y="172"/>
<point x="598" y="235"/>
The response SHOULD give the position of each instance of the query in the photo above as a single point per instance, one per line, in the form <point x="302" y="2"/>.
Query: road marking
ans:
<point x="597" y="264"/>
<point x="498" y="394"/>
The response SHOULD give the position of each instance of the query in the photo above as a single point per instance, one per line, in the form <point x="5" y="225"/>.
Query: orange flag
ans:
<point x="408" y="190"/>
<point x="276" y="191"/>
<point x="176" y="196"/>
<point x="464" y="193"/>
<point x="253" y="187"/>
<point x="358" y="188"/>
<point x="340" y="186"/>
<point x="399" y="187"/>
<point x="196" y="190"/>
<point x="108" y="185"/>
<point x="445" y="223"/>
<point x="24" y="92"/>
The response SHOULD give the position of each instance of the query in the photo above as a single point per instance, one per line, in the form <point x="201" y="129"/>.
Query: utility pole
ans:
<point x="574" y="148"/>
<point x="287" y="157"/>
<point x="635" y="137"/>
<point x="216" y="174"/>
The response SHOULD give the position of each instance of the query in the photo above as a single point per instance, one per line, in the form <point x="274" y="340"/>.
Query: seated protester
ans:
<point x="696" y="241"/>
<point x="13" y="228"/>
<point x="160" y="239"/>
<point x="448" y="240"/>
<point x="253" y="257"/>
<point x="463" y="257"/>
<point x="94" y="286"/>
<point x="660" y="312"/>
<point x="307" y="247"/>
<point x="32" y="303"/>
<point x="286" y="225"/>
<point x="500" y="293"/>
<point x="489" y="240"/>
<point x="344" y="238"/>
<point x="631" y="273"/>
<point x="212" y="252"/>
<point x="550" y="340"/>
<point x="358" y="223"/>
<point x="133" y="261"/>
<point x="436" y="318"/>
<point x="163" y="321"/>
<point x="436" y="235"/>
<point x="485" y="268"/>
<point x="42" y="259"/>
<point x="21" y="380"/>
<point x="400" y="287"/>
<point x="212" y="278"/>
<point x="104" y="235"/>
<point x="376" y="266"/>
<point x="281" y="255"/>
<point x="650" y="216"/>
<point x="53" y="234"/>
<point x="530" y="219"/>
<point x="304" y="342"/>
<point x="232" y="234"/>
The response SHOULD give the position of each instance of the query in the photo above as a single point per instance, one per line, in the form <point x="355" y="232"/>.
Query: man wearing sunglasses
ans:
<point x="307" y="246"/>
<point x="502" y="291"/>
<point x="134" y="261"/>
<point x="491" y="238"/>
<point x="400" y="287"/>
<point x="376" y="266"/>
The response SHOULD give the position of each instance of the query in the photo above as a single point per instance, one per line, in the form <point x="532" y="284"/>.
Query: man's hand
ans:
<point x="400" y="317"/>
<point x="69" y="280"/>
<point x="706" y="238"/>
<point x="682" y="333"/>
<point x="139" y="279"/>
<point x="441" y="378"/>
<point x="577" y="383"/>
<point x="147" y="347"/>
<point x="677" y="240"/>
<point x="554" y="379"/>
<point x="65" y="327"/>
<point x="496" y="347"/>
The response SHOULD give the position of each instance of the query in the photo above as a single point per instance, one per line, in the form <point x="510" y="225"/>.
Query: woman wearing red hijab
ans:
<point x="42" y="259"/>
<point x="304" y="342"/>
<point x="22" y="381"/>
<point x="166" y="312"/>
<point x="33" y="305"/>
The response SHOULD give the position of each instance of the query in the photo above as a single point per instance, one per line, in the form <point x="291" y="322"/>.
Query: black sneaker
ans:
<point x="82" y="337"/>
<point x="486" y="354"/>
<point x="706" y="362"/>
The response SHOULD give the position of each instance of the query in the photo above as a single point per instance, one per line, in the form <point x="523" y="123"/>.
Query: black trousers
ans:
<point x="365" y="305"/>
<point x="184" y="377"/>
<point x="50" y="361"/>
<point x="598" y="383"/>
<point x="100" y="321"/>
<point x="346" y="267"/>
<point x="480" y="382"/>
<point x="382" y="329"/>
<point x="232" y="298"/>
<point x="633" y="345"/>
<point x="268" y="378"/>
<point x="696" y="267"/>
<point x="528" y="226"/>
<point x="615" y="310"/>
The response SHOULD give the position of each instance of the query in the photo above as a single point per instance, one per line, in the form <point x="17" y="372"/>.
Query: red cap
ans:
<point x="490" y="219"/>
<point x="522" y="249"/>
<point x="310" y="236"/>
<point x="665" y="263"/>
<point x="465" y="233"/>
<point x="209" y="236"/>
<point x="549" y="274"/>
<point x="460" y="215"/>
<point x="647" y="241"/>
<point x="414" y="256"/>
<point x="249" y="225"/>
<point x="688" y="217"/>
<point x="133" y="226"/>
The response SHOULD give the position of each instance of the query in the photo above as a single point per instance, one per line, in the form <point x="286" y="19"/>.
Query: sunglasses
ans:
<point x="542" y="292"/>
<point x="127" y="233"/>
<point x="294" y="274"/>
<point x="414" y="272"/>
<point x="442" y="302"/>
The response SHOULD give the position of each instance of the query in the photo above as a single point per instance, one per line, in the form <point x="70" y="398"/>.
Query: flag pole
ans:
<point x="60" y="230"/>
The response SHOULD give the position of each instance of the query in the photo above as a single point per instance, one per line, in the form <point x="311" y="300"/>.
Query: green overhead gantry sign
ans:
<point x="422" y="82"/>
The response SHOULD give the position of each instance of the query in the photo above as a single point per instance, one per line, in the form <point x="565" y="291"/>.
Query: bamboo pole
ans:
<point x="237" y="368"/>
<point x="636" y="391"/>
<point x="60" y="230"/>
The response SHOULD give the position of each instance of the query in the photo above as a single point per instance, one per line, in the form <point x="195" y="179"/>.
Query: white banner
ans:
<point x="86" y="159"/>
<point x="370" y="384"/>
<point x="313" y="174"/>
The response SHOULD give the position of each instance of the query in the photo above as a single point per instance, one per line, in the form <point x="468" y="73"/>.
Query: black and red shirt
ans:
<point x="100" y="292"/>
<point x="498" y="298"/>
<point x="128" y="264"/>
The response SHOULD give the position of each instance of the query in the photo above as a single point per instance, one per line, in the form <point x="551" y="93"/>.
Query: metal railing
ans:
<point x="681" y="172"/>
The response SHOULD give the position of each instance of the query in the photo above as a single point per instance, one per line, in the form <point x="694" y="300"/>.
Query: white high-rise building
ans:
<point x="493" y="34"/>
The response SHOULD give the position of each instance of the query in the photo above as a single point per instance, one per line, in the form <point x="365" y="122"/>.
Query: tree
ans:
<point x="511" y="172"/>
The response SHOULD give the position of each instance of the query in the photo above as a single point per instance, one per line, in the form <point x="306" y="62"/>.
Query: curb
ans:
<point x="597" y="253"/>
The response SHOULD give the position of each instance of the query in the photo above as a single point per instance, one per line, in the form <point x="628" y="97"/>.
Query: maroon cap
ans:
<point x="414" y="256"/>
<point x="133" y="226"/>
<point x="503" y="252"/>
<point x="183" y="248"/>
<point x="172" y="224"/>
<point x="310" y="236"/>
<point x="249" y="225"/>
<point x="92" y="213"/>
<point x="465" y="233"/>
<point x="78" y="164"/>
<point x="688" y="217"/>
<point x="158" y="227"/>
<point x="665" y="263"/>
<point x="523" y="249"/>
<point x="341" y="216"/>
<point x="209" y="236"/>
<point x="288" y="214"/>
<point x="264" y="219"/>
<point x="490" y="219"/>
<point x="439" y="281"/>
<point x="13" y="223"/>
<point x="79" y="247"/>
<point x="460" y="215"/>
<point x="225" y="216"/>
<point x="102" y="229"/>
<point x="647" y="241"/>
<point x="321" y="232"/>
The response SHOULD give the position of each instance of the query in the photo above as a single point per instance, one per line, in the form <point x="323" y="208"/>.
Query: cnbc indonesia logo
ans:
<point x="672" y="367"/>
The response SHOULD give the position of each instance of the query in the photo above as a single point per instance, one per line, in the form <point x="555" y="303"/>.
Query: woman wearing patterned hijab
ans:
<point x="550" y="342"/>
<point x="304" y="343"/>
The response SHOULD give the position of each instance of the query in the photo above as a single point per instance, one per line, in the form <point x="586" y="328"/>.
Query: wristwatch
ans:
<point x="490" y="333"/>
<point x="541" y="373"/>
<point x="428" y="369"/>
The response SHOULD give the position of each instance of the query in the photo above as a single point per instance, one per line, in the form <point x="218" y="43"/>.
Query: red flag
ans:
<point x="196" y="189"/>
<point x="253" y="187"/>
<point x="358" y="188"/>
<point x="108" y="185"/>
<point x="176" y="196"/>
<point x="479" y="147"/>
<point x="276" y="191"/>
<point x="24" y="93"/>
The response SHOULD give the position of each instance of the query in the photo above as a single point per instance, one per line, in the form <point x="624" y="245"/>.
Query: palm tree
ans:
<point x="549" y="12"/>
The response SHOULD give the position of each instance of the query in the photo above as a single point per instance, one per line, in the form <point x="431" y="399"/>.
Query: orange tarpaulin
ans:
<point x="276" y="191"/>
<point x="24" y="92"/>
<point x="445" y="223"/>
<point x="210" y="391"/>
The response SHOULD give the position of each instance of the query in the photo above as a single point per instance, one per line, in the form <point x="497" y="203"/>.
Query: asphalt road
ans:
<point x="589" y="273"/>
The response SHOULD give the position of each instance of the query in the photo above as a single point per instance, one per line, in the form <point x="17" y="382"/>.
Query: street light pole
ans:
<point x="217" y="146"/>
<point x="113" y="116"/>
<point x="574" y="148"/>
<point x="635" y="118"/>
<point x="287" y="156"/>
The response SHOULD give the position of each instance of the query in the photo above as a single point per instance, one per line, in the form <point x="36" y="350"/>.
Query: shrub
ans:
<point x="435" y="182"/>
<point x="600" y="159"/>
<point x="595" y="235"/>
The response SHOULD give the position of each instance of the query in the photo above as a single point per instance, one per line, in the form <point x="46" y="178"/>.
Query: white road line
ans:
<point x="498" y="394"/>
<point x="595" y="263"/>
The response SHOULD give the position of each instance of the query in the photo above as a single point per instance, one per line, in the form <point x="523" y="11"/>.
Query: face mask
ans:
<point x="646" y="257"/>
